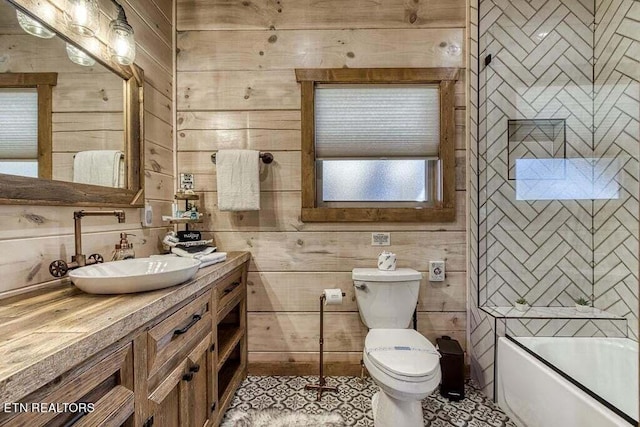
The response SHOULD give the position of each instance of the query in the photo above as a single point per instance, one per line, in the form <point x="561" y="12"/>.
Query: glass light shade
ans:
<point x="83" y="17"/>
<point x="122" y="45"/>
<point x="33" y="27"/>
<point x="79" y="57"/>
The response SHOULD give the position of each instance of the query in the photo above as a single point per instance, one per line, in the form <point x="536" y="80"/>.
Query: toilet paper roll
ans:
<point x="387" y="261"/>
<point x="332" y="296"/>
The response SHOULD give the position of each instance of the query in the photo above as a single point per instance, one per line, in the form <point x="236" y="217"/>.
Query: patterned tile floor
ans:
<point x="353" y="402"/>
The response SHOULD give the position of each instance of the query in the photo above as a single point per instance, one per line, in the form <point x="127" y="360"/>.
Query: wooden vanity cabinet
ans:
<point x="179" y="370"/>
<point x="192" y="381"/>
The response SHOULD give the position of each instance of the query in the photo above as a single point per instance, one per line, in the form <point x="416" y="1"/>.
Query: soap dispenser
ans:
<point x="124" y="249"/>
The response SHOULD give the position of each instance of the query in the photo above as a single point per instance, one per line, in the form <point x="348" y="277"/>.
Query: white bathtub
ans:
<point x="534" y="395"/>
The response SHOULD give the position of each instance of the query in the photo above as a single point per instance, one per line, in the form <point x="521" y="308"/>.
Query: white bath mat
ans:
<point x="279" y="418"/>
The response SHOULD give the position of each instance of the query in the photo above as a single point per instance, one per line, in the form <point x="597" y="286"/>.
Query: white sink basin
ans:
<point x="134" y="275"/>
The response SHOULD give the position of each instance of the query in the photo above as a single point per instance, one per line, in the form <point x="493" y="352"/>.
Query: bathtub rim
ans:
<point x="567" y="377"/>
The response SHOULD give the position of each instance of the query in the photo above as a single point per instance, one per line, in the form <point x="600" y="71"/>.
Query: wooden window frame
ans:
<point x="446" y="78"/>
<point x="43" y="83"/>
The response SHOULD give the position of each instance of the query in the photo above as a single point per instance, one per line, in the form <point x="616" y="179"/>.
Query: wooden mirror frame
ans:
<point x="35" y="191"/>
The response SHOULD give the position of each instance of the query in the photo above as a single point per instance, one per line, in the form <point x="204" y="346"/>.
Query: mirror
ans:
<point x="69" y="124"/>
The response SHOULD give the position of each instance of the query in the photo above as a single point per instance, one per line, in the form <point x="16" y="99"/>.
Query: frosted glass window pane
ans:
<point x="20" y="168"/>
<point x="19" y="118"/>
<point x="374" y="180"/>
<point x="377" y="121"/>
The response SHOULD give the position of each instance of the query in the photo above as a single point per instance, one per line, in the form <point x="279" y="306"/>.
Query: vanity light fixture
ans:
<point x="122" y="45"/>
<point x="78" y="56"/>
<point x="83" y="17"/>
<point x="33" y="27"/>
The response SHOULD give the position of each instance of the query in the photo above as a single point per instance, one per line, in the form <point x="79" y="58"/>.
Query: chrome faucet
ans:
<point x="60" y="267"/>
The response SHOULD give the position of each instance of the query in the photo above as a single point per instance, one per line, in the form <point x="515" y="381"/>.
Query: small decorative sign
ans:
<point x="186" y="181"/>
<point x="380" y="239"/>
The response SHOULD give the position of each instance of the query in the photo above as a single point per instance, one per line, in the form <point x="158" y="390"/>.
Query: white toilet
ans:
<point x="401" y="361"/>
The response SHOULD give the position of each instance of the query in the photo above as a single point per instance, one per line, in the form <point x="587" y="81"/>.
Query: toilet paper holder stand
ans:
<point x="321" y="386"/>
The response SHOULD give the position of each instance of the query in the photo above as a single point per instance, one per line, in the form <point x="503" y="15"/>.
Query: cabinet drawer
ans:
<point x="229" y="288"/>
<point x="169" y="341"/>
<point x="107" y="383"/>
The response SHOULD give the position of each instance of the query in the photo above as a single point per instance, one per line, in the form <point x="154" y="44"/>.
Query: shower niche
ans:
<point x="531" y="143"/>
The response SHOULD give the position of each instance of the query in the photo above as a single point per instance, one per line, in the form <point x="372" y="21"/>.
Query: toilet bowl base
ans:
<point x="390" y="412"/>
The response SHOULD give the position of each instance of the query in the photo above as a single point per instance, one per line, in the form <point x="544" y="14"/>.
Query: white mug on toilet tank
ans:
<point x="387" y="261"/>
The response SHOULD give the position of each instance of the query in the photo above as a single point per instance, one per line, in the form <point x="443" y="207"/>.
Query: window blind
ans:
<point x="18" y="124"/>
<point x="377" y="121"/>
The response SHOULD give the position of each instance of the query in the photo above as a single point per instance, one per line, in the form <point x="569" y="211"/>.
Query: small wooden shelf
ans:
<point x="230" y="373"/>
<point x="224" y="398"/>
<point x="235" y="380"/>
<point x="185" y="221"/>
<point x="179" y="196"/>
<point x="228" y="338"/>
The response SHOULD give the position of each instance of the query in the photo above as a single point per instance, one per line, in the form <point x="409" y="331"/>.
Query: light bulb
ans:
<point x="83" y="17"/>
<point x="79" y="57"/>
<point x="122" y="45"/>
<point x="33" y="27"/>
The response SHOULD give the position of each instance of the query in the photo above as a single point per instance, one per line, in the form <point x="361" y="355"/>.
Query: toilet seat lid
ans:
<point x="403" y="352"/>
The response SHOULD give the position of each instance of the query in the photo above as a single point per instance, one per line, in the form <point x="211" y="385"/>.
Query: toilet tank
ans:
<point x="386" y="299"/>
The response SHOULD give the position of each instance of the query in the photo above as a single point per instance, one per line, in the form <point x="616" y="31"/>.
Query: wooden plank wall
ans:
<point x="237" y="89"/>
<point x="33" y="236"/>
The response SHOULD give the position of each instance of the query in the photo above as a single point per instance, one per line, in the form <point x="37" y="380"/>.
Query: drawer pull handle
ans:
<point x="194" y="368"/>
<point x="187" y="377"/>
<point x="75" y="418"/>
<point x="212" y="348"/>
<point x="228" y="289"/>
<point x="194" y="320"/>
<point x="213" y="407"/>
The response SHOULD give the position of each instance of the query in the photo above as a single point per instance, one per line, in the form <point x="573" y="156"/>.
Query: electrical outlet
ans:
<point x="146" y="215"/>
<point x="380" y="239"/>
<point x="436" y="271"/>
<point x="186" y="181"/>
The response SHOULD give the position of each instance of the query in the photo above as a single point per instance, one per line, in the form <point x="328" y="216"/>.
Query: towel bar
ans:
<point x="265" y="157"/>
<point x="121" y="155"/>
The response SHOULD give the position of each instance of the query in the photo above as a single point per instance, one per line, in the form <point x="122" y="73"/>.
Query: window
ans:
<point x="378" y="144"/>
<point x="26" y="133"/>
<point x="19" y="132"/>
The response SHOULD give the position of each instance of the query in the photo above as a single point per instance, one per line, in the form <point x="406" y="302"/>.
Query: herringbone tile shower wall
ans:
<point x="541" y="68"/>
<point x="617" y="135"/>
<point x="572" y="60"/>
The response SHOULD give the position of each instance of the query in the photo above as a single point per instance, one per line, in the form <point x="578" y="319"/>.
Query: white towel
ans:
<point x="197" y="255"/>
<point x="205" y="261"/>
<point x="238" y="173"/>
<point x="213" y="258"/>
<point x="99" y="167"/>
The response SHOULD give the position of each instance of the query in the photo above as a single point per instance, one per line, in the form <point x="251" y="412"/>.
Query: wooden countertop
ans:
<point x="45" y="333"/>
